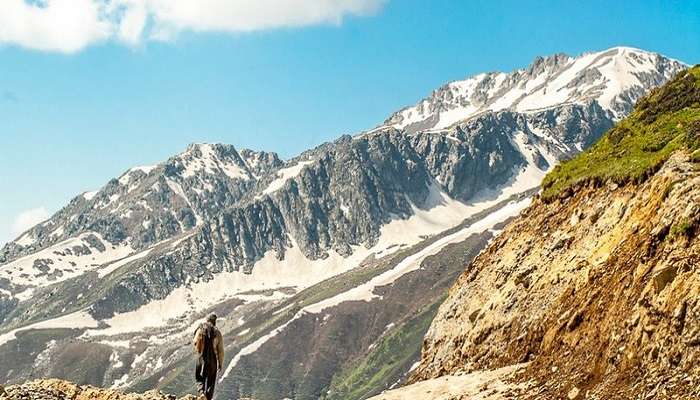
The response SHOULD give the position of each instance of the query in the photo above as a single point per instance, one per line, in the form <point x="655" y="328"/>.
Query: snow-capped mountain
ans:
<point x="615" y="78"/>
<point x="314" y="258"/>
<point x="148" y="204"/>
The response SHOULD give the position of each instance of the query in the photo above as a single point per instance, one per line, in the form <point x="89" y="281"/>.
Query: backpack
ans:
<point x="201" y="336"/>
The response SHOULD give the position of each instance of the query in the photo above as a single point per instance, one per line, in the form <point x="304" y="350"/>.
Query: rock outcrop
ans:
<point x="597" y="285"/>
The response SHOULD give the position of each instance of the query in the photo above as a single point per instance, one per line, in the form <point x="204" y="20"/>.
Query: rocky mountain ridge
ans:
<point x="329" y="203"/>
<point x="615" y="78"/>
<point x="149" y="204"/>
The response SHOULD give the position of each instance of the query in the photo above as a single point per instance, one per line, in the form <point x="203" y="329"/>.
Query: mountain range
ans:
<point x="326" y="269"/>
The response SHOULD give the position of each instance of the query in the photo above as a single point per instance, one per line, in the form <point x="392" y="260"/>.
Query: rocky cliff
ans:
<point x="596" y="284"/>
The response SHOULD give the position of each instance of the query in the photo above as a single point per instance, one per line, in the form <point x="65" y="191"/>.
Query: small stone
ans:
<point x="574" y="393"/>
<point x="574" y="219"/>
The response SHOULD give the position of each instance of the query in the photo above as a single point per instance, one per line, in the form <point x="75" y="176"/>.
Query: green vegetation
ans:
<point x="683" y="228"/>
<point x="665" y="121"/>
<point x="386" y="362"/>
<point x="695" y="157"/>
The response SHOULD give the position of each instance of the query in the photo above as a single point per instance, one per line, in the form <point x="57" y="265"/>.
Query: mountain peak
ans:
<point x="610" y="247"/>
<point x="615" y="78"/>
<point x="211" y="159"/>
<point x="151" y="203"/>
<point x="203" y="146"/>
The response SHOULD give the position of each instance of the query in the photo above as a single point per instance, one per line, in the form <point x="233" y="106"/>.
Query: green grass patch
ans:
<point x="695" y="157"/>
<point x="664" y="122"/>
<point x="695" y="71"/>
<point x="683" y="228"/>
<point x="386" y="362"/>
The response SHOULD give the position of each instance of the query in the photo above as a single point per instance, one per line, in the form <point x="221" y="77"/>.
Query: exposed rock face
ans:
<point x="600" y="289"/>
<point x="342" y="195"/>
<point x="148" y="204"/>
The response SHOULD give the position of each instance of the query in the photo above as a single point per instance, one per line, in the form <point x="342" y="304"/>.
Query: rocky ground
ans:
<point x="55" y="389"/>
<point x="598" y="289"/>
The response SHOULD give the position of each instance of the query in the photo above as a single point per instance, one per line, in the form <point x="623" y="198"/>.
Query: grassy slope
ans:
<point x="379" y="369"/>
<point x="665" y="121"/>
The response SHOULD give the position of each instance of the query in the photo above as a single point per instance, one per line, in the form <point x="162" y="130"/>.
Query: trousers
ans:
<point x="205" y="375"/>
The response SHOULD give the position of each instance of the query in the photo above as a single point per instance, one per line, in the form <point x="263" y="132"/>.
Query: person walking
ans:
<point x="209" y="346"/>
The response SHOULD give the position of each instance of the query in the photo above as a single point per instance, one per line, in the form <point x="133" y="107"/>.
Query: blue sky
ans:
<point x="80" y="107"/>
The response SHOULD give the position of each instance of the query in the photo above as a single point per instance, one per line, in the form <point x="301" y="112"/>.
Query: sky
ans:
<point x="90" y="88"/>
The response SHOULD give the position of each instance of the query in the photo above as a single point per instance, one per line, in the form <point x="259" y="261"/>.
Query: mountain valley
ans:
<point x="419" y="250"/>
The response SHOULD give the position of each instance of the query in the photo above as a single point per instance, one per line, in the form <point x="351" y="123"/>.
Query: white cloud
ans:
<point x="71" y="25"/>
<point x="28" y="219"/>
<point x="56" y="25"/>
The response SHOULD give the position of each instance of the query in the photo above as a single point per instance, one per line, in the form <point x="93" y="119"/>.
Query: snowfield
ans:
<point x="76" y="320"/>
<point x="64" y="260"/>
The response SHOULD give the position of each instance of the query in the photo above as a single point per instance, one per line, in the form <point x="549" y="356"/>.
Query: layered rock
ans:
<point x="596" y="285"/>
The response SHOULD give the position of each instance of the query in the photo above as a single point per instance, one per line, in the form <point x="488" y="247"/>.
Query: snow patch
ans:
<point x="90" y="195"/>
<point x="209" y="162"/>
<point x="26" y="240"/>
<point x="121" y="382"/>
<point x="64" y="260"/>
<point x="76" y="320"/>
<point x="116" y="343"/>
<point x="253" y="347"/>
<point x="109" y="268"/>
<point x="285" y="174"/>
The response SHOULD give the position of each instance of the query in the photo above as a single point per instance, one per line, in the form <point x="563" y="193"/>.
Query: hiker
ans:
<point x="209" y="345"/>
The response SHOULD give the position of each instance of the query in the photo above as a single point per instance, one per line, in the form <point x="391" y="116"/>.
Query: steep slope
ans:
<point x="316" y="257"/>
<point x="596" y="283"/>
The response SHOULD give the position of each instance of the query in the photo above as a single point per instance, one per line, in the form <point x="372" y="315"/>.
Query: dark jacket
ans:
<point x="217" y="343"/>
